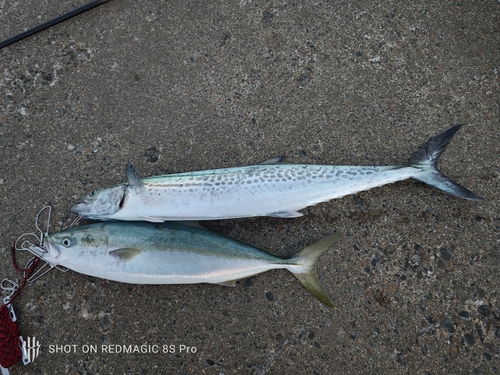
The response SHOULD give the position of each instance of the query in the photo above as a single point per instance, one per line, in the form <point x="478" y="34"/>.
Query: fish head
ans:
<point x="77" y="247"/>
<point x="100" y="204"/>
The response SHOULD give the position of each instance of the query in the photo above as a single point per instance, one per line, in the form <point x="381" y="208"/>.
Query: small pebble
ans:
<point x="389" y="250"/>
<point x="425" y="350"/>
<point x="464" y="315"/>
<point x="106" y="323"/>
<point x="248" y="282"/>
<point x="469" y="339"/>
<point x="152" y="154"/>
<point x="447" y="325"/>
<point x="270" y="296"/>
<point x="481" y="293"/>
<point x="414" y="261"/>
<point x="484" y="310"/>
<point x="445" y="253"/>
<point x="454" y="351"/>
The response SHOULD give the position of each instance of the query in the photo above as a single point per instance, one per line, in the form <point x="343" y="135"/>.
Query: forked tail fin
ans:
<point x="307" y="259"/>
<point x="426" y="159"/>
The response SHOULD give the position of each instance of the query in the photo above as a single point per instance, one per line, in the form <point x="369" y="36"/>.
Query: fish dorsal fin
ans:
<point x="275" y="160"/>
<point x="133" y="177"/>
<point x="125" y="254"/>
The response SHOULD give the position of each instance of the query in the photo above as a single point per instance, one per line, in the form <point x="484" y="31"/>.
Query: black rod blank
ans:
<point x="53" y="22"/>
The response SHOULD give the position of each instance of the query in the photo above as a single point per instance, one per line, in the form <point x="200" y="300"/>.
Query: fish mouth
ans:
<point x="51" y="252"/>
<point x="79" y="206"/>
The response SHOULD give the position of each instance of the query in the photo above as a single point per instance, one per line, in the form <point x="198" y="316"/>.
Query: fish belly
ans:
<point x="172" y="267"/>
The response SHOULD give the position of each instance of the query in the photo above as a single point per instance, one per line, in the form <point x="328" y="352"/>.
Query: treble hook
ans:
<point x="26" y="245"/>
<point x="42" y="233"/>
<point x="37" y="248"/>
<point x="34" y="276"/>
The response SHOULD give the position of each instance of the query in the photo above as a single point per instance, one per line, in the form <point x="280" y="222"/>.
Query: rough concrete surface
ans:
<point x="179" y="86"/>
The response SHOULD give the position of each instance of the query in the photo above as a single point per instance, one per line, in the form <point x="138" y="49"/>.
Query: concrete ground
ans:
<point x="179" y="86"/>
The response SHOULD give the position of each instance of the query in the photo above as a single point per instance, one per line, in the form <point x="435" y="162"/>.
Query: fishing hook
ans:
<point x="37" y="248"/>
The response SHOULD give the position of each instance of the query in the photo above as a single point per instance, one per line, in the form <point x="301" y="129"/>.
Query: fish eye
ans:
<point x="92" y="193"/>
<point x="66" y="241"/>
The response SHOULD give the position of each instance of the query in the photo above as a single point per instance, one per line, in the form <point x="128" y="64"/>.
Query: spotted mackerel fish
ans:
<point x="269" y="189"/>
<point x="173" y="253"/>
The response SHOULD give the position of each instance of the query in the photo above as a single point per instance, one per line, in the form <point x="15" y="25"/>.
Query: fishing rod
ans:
<point x="53" y="22"/>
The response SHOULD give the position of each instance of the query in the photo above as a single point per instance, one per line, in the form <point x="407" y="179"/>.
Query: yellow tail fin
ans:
<point x="308" y="258"/>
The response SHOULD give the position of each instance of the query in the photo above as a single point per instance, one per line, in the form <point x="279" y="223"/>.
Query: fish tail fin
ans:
<point x="307" y="260"/>
<point x="426" y="159"/>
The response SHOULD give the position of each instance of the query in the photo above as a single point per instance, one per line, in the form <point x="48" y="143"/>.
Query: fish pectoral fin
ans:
<point x="231" y="283"/>
<point x="286" y="214"/>
<point x="133" y="177"/>
<point x="152" y="219"/>
<point x="125" y="254"/>
<point x="275" y="160"/>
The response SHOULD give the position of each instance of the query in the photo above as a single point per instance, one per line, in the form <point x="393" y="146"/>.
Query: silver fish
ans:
<point x="269" y="189"/>
<point x="168" y="253"/>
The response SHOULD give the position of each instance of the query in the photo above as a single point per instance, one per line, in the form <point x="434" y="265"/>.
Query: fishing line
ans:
<point x="53" y="22"/>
